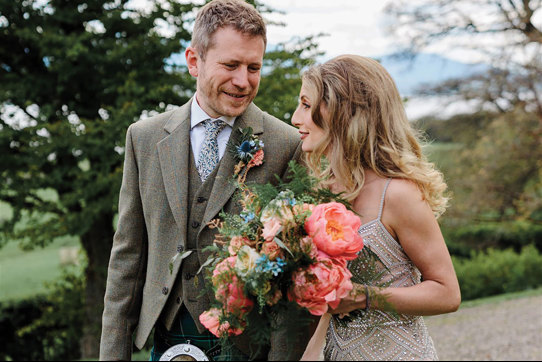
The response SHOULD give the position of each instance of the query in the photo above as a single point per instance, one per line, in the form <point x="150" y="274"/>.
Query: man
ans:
<point x="177" y="178"/>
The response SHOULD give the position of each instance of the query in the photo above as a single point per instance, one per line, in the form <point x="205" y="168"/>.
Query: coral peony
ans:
<point x="321" y="285"/>
<point x="334" y="230"/>
<point x="233" y="298"/>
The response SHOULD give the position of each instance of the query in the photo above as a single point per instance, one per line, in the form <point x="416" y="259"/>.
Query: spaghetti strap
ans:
<point x="382" y="200"/>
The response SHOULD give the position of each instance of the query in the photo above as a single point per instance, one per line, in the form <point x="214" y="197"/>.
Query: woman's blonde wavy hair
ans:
<point x="367" y="128"/>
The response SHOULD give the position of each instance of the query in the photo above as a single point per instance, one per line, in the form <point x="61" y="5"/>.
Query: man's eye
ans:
<point x="230" y="66"/>
<point x="254" y="69"/>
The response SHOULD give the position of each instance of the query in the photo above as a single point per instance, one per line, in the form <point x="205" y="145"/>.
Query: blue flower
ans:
<point x="280" y="262"/>
<point x="264" y="265"/>
<point x="248" y="217"/>
<point x="244" y="150"/>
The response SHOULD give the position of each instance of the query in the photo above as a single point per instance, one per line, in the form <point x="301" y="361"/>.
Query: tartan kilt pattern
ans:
<point x="184" y="330"/>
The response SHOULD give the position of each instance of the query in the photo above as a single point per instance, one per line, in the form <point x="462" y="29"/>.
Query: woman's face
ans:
<point x="311" y="134"/>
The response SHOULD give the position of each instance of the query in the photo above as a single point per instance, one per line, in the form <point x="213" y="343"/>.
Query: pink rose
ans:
<point x="321" y="285"/>
<point x="301" y="208"/>
<point x="236" y="243"/>
<point x="271" y="228"/>
<point x="211" y="321"/>
<point x="271" y="249"/>
<point x="334" y="230"/>
<point x="224" y="270"/>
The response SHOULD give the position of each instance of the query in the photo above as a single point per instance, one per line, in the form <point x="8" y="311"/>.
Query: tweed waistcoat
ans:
<point x="188" y="286"/>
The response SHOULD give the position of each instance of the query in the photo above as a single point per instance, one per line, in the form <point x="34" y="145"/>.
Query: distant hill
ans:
<point x="431" y="69"/>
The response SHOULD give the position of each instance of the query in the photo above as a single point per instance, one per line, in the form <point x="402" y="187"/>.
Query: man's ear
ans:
<point x="192" y="57"/>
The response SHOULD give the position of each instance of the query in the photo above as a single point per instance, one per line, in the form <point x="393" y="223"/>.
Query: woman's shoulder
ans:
<point x="404" y="196"/>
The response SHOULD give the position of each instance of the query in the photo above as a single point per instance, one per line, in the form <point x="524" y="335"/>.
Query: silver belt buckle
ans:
<point x="184" y="352"/>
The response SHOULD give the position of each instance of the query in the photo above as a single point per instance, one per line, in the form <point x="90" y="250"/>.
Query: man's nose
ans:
<point x="240" y="78"/>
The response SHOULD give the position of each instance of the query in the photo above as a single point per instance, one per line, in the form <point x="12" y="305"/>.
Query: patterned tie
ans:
<point x="208" y="156"/>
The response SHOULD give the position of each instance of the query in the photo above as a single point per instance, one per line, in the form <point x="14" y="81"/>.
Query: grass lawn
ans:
<point x="23" y="273"/>
<point x="443" y="154"/>
<point x="501" y="297"/>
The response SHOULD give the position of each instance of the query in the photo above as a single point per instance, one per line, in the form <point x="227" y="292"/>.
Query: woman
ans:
<point x="350" y="112"/>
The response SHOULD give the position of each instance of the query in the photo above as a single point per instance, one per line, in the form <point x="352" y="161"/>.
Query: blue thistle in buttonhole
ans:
<point x="247" y="150"/>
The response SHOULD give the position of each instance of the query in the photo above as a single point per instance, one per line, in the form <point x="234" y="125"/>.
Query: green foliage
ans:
<point x="15" y="315"/>
<point x="47" y="327"/>
<point x="460" y="128"/>
<point x="502" y="235"/>
<point x="493" y="168"/>
<point x="495" y="272"/>
<point x="503" y="169"/>
<point x="73" y="76"/>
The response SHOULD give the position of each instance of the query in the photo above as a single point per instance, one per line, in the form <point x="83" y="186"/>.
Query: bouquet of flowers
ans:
<point x="290" y="245"/>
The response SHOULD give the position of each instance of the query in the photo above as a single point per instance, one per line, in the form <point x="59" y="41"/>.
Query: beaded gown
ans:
<point x="377" y="335"/>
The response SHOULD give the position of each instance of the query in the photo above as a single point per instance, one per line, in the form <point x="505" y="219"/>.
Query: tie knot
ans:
<point x="213" y="126"/>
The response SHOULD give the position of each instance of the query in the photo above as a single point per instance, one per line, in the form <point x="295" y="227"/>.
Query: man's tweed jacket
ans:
<point x="153" y="218"/>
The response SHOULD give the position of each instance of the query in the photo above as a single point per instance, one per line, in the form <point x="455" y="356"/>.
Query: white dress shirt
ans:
<point x="197" y="130"/>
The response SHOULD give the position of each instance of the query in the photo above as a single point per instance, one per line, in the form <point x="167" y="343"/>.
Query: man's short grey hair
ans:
<point x="218" y="14"/>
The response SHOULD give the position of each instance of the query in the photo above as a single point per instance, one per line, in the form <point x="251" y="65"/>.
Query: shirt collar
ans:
<point x="198" y="115"/>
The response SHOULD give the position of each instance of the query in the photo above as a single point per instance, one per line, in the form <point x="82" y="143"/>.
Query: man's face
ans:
<point x="229" y="77"/>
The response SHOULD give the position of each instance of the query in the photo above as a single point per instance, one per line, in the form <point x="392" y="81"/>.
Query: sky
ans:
<point x="354" y="26"/>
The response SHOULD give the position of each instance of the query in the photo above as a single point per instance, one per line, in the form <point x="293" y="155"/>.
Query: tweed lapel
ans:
<point x="224" y="187"/>
<point x="174" y="156"/>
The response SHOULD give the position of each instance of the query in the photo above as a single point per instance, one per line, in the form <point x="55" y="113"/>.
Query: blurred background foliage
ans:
<point x="74" y="74"/>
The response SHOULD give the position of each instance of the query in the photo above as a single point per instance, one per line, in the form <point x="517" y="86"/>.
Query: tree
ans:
<point x="74" y="74"/>
<point x="503" y="33"/>
<point x="281" y="81"/>
<point x="500" y="175"/>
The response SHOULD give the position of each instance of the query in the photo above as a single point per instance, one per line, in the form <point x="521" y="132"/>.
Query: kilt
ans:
<point x="184" y="330"/>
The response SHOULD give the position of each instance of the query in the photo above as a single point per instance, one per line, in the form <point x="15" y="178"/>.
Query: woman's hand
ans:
<point x="354" y="301"/>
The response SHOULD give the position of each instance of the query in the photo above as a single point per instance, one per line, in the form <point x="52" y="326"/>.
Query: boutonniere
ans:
<point x="247" y="151"/>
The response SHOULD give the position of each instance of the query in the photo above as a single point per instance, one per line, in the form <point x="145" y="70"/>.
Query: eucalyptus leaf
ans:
<point x="207" y="262"/>
<point x="282" y="245"/>
<point x="180" y="256"/>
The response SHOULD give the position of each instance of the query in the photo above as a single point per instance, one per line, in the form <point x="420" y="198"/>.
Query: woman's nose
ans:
<point x="295" y="119"/>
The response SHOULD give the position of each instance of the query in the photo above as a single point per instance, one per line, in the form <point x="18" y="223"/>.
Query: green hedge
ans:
<point x="503" y="235"/>
<point x="493" y="272"/>
<point x="46" y="327"/>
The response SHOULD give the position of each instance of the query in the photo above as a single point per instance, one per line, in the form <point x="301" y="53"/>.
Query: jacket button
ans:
<point x="178" y="300"/>
<point x="188" y="276"/>
<point x="165" y="290"/>
<point x="201" y="199"/>
<point x="195" y="224"/>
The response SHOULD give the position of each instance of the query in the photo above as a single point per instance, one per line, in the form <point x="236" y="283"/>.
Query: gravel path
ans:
<point x="505" y="331"/>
